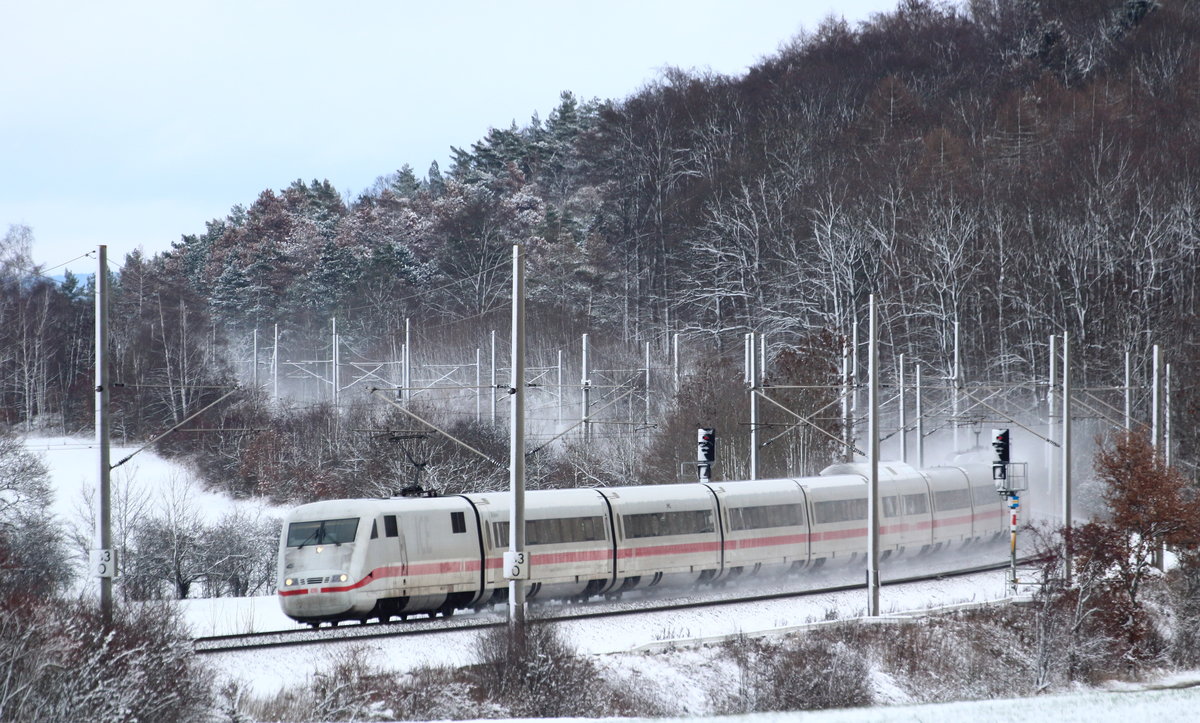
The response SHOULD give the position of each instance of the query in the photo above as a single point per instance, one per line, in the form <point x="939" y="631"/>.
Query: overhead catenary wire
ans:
<point x="187" y="419"/>
<point x="42" y="272"/>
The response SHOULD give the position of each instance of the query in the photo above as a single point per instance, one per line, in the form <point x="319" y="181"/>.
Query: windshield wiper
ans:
<point x="318" y="533"/>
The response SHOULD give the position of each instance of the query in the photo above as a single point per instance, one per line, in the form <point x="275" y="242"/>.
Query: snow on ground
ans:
<point x="1161" y="706"/>
<point x="207" y="617"/>
<point x="638" y="643"/>
<point x="73" y="463"/>
<point x="659" y="647"/>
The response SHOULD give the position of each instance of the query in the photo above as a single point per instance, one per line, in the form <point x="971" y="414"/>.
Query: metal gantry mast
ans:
<point x="1066" y="450"/>
<point x="103" y="563"/>
<point x="873" y="461"/>
<point x="752" y="383"/>
<point x="516" y="566"/>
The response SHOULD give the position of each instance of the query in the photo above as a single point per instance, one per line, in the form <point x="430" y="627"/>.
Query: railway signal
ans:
<point x="706" y="452"/>
<point x="1000" y="444"/>
<point x="1009" y="478"/>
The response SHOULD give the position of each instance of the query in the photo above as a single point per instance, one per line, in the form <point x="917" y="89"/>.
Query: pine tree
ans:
<point x="335" y="278"/>
<point x="230" y="294"/>
<point x="404" y="182"/>
<point x="437" y="184"/>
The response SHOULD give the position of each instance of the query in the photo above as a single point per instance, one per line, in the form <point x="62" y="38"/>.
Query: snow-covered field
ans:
<point x="73" y="463"/>
<point x="1161" y="706"/>
<point x="660" y="646"/>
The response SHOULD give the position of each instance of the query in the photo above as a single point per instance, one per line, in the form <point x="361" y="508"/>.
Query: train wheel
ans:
<point x="314" y="626"/>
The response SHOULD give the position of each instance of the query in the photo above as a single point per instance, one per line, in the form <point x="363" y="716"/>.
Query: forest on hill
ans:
<point x="1012" y="170"/>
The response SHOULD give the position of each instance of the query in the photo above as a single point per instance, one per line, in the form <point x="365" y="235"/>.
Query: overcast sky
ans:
<point x="131" y="123"/>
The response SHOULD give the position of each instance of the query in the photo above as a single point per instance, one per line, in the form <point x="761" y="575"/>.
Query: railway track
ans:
<point x="285" y="638"/>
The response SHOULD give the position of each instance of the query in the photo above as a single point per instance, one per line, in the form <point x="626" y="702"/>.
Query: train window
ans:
<point x="374" y="529"/>
<point x="890" y="508"/>
<point x="458" y="522"/>
<point x="951" y="499"/>
<point x="322" y="532"/>
<point x="389" y="526"/>
<point x="917" y="504"/>
<point x="658" y="524"/>
<point x="764" y="516"/>
<point x="541" y="532"/>
<point x="555" y="530"/>
<point x="984" y="495"/>
<point x="831" y="511"/>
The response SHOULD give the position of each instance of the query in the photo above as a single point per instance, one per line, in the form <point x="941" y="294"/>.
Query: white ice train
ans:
<point x="384" y="558"/>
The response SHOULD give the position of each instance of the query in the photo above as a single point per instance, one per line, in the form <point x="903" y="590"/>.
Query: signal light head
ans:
<point x="1000" y="443"/>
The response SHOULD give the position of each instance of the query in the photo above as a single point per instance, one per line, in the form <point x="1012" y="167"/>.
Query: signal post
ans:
<point x="1010" y="480"/>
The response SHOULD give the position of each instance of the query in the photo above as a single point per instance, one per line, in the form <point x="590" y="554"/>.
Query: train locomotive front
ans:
<point x="321" y="551"/>
<point x="361" y="559"/>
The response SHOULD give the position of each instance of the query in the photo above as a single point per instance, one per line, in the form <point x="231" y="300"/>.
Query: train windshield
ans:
<point x="322" y="532"/>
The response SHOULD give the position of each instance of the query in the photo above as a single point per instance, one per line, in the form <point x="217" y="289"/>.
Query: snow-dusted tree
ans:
<point x="1072" y="640"/>
<point x="1098" y="617"/>
<point x="1184" y="586"/>
<point x="170" y="545"/>
<point x="325" y="287"/>
<point x="1150" y="504"/>
<point x="239" y="557"/>
<point x="16" y="251"/>
<point x="404" y="182"/>
<point x="130" y="508"/>
<point x="230" y="292"/>
<point x="33" y="560"/>
<point x="435" y="180"/>
<point x="840" y="242"/>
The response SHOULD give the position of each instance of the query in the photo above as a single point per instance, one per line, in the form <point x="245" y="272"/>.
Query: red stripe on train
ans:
<point x="425" y="568"/>
<point x="752" y="542"/>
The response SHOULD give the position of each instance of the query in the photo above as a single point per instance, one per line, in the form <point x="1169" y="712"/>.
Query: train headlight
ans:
<point x="319" y="549"/>
<point x="343" y="577"/>
<point x="289" y="582"/>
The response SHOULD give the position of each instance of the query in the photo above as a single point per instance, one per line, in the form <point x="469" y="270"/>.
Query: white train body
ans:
<point x="384" y="558"/>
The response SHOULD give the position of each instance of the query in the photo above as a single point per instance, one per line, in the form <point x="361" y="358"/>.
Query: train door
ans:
<point x="922" y="506"/>
<point x="808" y="529"/>
<point x="395" y="549"/>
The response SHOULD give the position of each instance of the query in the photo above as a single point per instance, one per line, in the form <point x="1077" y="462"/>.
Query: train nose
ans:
<point x="314" y="593"/>
<point x="316" y="605"/>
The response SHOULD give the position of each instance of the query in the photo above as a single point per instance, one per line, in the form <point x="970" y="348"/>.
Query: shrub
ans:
<point x="60" y="663"/>
<point x="809" y="672"/>
<point x="538" y="674"/>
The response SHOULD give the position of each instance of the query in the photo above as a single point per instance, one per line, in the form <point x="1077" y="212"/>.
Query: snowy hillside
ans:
<point x="144" y="486"/>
